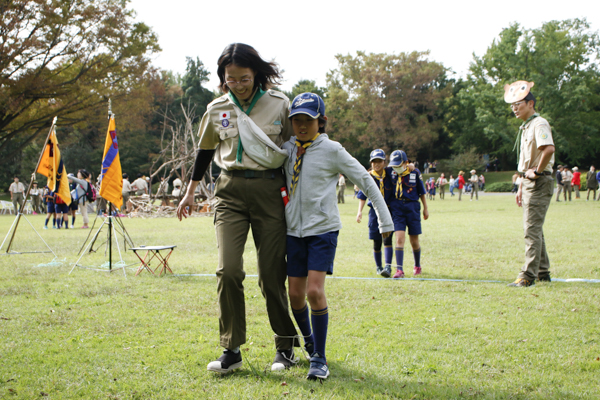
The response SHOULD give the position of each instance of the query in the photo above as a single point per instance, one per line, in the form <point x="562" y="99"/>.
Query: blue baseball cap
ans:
<point x="308" y="103"/>
<point x="397" y="158"/>
<point x="377" y="154"/>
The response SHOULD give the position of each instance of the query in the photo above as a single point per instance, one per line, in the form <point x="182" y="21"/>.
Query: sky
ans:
<point x="304" y="37"/>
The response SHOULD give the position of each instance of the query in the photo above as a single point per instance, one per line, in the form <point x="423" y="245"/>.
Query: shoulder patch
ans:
<point x="276" y="93"/>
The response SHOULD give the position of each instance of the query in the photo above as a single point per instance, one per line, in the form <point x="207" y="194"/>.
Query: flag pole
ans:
<point x="30" y="184"/>
<point x="109" y="206"/>
<point x="110" y="236"/>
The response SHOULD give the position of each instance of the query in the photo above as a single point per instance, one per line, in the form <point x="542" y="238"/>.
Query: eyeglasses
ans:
<point x="243" y="82"/>
<point x="517" y="104"/>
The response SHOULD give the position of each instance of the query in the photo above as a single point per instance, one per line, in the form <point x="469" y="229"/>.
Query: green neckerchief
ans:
<point x="259" y="93"/>
<point x="517" y="142"/>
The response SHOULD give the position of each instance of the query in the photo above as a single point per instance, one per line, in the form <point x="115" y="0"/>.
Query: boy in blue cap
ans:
<point x="384" y="178"/>
<point x="409" y="189"/>
<point x="313" y="220"/>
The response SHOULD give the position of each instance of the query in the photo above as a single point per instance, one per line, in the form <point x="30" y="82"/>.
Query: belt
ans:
<point x="252" y="174"/>
<point x="543" y="173"/>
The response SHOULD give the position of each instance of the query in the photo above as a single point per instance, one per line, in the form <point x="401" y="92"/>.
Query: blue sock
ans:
<point x="399" y="257"/>
<point x="54" y="221"/>
<point x="320" y="320"/>
<point x="303" y="321"/>
<point x="72" y="221"/>
<point x="417" y="254"/>
<point x="388" y="252"/>
<point x="59" y="223"/>
<point x="377" y="255"/>
<point x="47" y="219"/>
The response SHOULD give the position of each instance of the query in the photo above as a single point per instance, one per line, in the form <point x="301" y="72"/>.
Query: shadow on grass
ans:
<point x="353" y="384"/>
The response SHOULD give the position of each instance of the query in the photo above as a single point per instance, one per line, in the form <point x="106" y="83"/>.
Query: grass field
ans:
<point x="93" y="335"/>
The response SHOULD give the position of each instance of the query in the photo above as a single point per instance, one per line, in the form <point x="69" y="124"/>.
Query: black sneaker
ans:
<point x="520" y="282"/>
<point x="226" y="363"/>
<point x="318" y="367"/>
<point x="387" y="271"/>
<point x="379" y="269"/>
<point x="284" y="359"/>
<point x="545" y="278"/>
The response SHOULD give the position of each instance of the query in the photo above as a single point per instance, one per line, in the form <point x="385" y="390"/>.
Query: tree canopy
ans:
<point x="386" y="99"/>
<point x="64" y="58"/>
<point x="560" y="58"/>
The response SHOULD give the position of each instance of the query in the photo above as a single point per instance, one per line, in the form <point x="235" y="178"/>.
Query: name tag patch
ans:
<point x="413" y="178"/>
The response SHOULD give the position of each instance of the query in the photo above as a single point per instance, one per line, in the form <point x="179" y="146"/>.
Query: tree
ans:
<point x="305" y="86"/>
<point x="559" y="58"/>
<point x="386" y="101"/>
<point x="64" y="58"/>
<point x="193" y="92"/>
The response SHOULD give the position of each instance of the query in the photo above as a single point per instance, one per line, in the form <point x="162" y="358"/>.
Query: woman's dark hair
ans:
<point x="242" y="55"/>
<point x="84" y="173"/>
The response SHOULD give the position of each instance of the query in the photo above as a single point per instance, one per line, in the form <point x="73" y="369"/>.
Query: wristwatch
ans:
<point x="537" y="173"/>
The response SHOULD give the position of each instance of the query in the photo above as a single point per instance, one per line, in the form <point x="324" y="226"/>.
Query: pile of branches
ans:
<point x="144" y="207"/>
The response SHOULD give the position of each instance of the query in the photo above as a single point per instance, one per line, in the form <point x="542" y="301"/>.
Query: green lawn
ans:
<point x="94" y="335"/>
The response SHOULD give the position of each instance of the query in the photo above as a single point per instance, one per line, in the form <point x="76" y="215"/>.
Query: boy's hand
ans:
<point x="385" y="235"/>
<point x="359" y="217"/>
<point x="425" y="213"/>
<point x="411" y="167"/>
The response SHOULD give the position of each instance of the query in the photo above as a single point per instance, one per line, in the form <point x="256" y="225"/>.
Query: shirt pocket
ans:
<point x="272" y="130"/>
<point x="228" y="133"/>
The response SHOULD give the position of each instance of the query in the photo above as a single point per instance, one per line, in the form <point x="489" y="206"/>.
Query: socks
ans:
<point x="236" y="350"/>
<point x="72" y="221"/>
<point x="303" y="321"/>
<point x="377" y="256"/>
<point x="399" y="257"/>
<point x="47" y="219"/>
<point x="417" y="254"/>
<point x="59" y="223"/>
<point x="320" y="321"/>
<point x="53" y="221"/>
<point x="388" y="253"/>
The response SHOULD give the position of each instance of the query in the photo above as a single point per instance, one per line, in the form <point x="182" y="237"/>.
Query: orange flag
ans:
<point x="111" y="177"/>
<point x="53" y="168"/>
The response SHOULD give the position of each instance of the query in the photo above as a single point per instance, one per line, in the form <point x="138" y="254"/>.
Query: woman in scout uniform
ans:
<point x="536" y="158"/>
<point x="249" y="196"/>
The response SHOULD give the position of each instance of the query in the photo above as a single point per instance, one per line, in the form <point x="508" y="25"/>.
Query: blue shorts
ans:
<point x="61" y="208"/>
<point x="374" y="233"/>
<point x="315" y="253"/>
<point x="50" y="208"/>
<point x="410" y="216"/>
<point x="74" y="205"/>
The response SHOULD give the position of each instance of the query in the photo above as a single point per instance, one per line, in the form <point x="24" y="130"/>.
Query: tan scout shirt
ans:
<point x="16" y="187"/>
<point x="536" y="133"/>
<point x="219" y="130"/>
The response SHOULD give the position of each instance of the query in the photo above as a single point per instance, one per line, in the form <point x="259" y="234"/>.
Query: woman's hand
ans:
<point x="185" y="205"/>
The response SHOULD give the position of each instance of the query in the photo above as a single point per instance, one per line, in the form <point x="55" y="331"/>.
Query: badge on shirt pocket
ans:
<point x="224" y="117"/>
